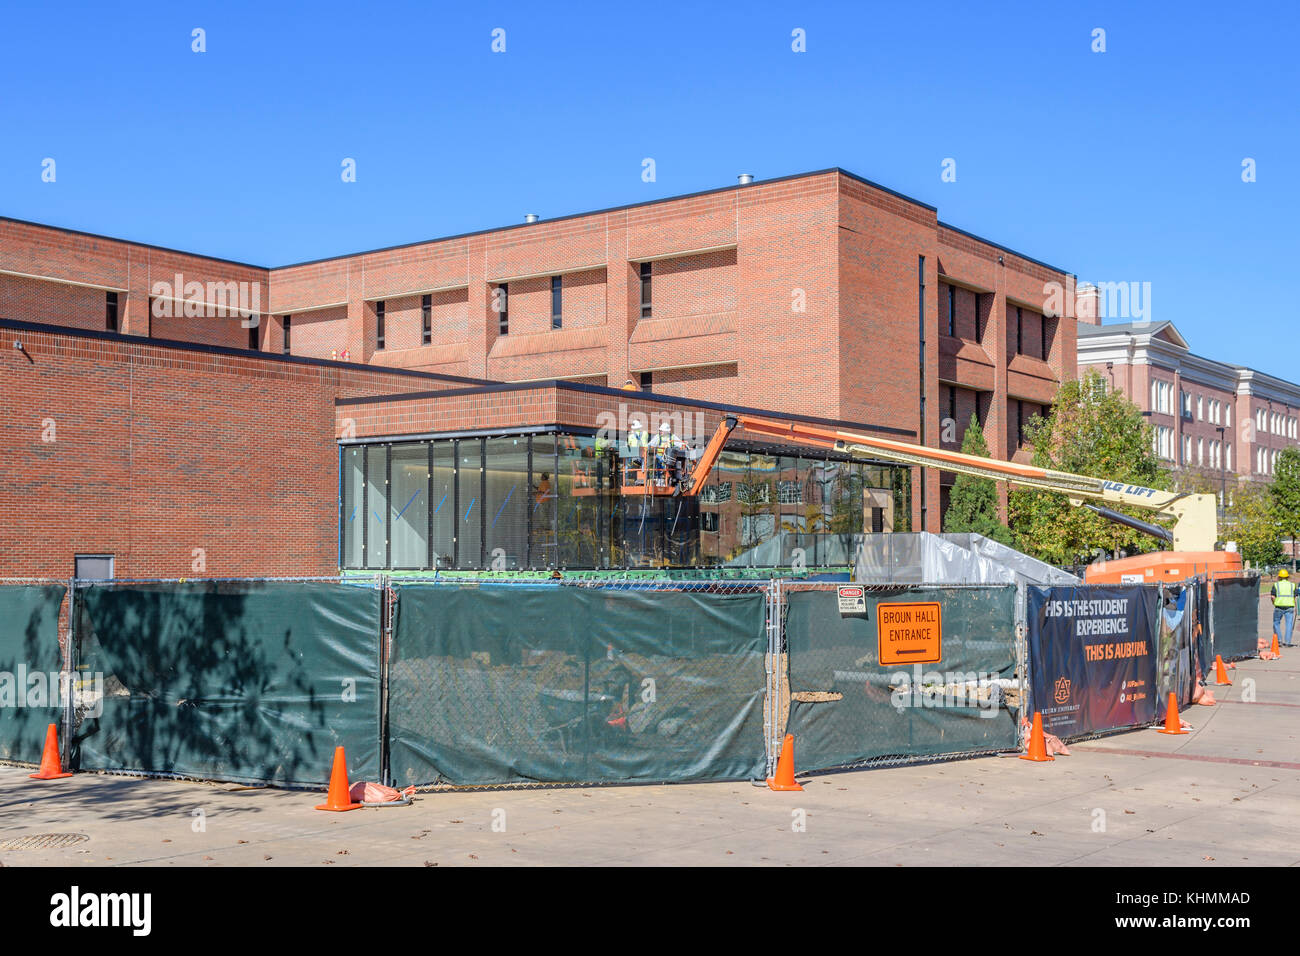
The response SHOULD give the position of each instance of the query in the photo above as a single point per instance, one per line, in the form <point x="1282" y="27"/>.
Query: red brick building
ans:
<point x="820" y="295"/>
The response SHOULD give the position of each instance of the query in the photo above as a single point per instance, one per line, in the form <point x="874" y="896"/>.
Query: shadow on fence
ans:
<point x="491" y="682"/>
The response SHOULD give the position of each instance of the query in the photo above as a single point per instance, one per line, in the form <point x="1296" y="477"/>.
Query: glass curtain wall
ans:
<point x="554" y="501"/>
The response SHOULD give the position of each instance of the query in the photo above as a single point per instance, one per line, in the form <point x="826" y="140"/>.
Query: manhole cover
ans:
<point x="43" y="841"/>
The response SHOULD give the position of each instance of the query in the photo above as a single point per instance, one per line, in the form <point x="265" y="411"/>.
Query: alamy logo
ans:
<point x="194" y="299"/>
<point x="73" y="909"/>
<point x="36" y="688"/>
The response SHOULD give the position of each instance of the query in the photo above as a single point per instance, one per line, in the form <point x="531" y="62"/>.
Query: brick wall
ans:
<point x="113" y="445"/>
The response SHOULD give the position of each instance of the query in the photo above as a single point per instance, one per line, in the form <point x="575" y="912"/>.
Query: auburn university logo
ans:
<point x="1062" y="690"/>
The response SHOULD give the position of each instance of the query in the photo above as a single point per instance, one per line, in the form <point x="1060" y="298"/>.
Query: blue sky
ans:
<point x="1117" y="166"/>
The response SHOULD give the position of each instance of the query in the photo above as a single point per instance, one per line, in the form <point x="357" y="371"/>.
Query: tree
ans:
<point x="1090" y="430"/>
<point x="973" y="503"/>
<point x="1253" y="522"/>
<point x="1286" y="494"/>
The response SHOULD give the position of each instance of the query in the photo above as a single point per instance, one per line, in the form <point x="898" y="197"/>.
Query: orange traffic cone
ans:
<point x="784" y="779"/>
<point x="1172" y="724"/>
<point x="1037" y="744"/>
<point x="1277" y="651"/>
<point x="51" y="765"/>
<point x="338" y="798"/>
<point x="1220" y="672"/>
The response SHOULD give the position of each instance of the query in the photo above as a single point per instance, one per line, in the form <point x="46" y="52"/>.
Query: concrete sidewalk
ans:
<point x="1228" y="794"/>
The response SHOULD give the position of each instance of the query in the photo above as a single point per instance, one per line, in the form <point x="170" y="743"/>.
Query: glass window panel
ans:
<point x="507" y="501"/>
<point x="584" y="503"/>
<point x="352" y="516"/>
<point x="442" y="497"/>
<point x="469" y="518"/>
<point x="409" y="508"/>
<point x="543" y="551"/>
<point x="376" y="506"/>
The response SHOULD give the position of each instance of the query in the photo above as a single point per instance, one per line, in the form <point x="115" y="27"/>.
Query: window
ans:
<point x="756" y="528"/>
<point x="1045" y="342"/>
<point x="379" y="324"/>
<point x="1020" y="423"/>
<point x="978" y="335"/>
<point x="647" y="380"/>
<point x="709" y="522"/>
<point x="952" y="310"/>
<point x="252" y="331"/>
<point x="952" y="403"/>
<point x="715" y="494"/>
<point x="1200" y="408"/>
<point x="789" y="492"/>
<point x="1200" y="451"/>
<point x="1187" y="450"/>
<point x="426" y="319"/>
<point x="93" y="567"/>
<point x="110" y="311"/>
<point x="1227" y="409"/>
<point x="1020" y="332"/>
<point x="501" y="304"/>
<point x="557" y="302"/>
<point x="645" y="290"/>
<point x="1227" y="455"/>
<point x="754" y="493"/>
<point x="1185" y="404"/>
<point x="286" y="323"/>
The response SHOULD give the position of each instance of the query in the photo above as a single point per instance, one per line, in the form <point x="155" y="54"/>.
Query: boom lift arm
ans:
<point x="1195" y="516"/>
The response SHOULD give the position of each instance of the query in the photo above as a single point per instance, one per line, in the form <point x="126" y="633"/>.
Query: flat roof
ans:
<point x="523" y="225"/>
<point x="625" y="395"/>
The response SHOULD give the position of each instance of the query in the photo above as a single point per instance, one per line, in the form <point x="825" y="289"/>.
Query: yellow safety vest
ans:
<point x="1284" y="594"/>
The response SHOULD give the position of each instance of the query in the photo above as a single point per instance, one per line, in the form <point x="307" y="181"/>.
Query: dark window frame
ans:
<point x="286" y="325"/>
<point x="426" y="319"/>
<point x="110" y="311"/>
<point x="254" y="344"/>
<point x="381" y="317"/>
<point x="647" y="275"/>
<point x="1020" y="331"/>
<point x="503" y="317"/>
<point x="647" y="380"/>
<point x="952" y="310"/>
<point x="557" y="302"/>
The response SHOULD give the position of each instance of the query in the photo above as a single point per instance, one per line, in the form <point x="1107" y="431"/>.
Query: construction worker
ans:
<point x="668" y="447"/>
<point x="638" y="440"/>
<point x="1283" y="593"/>
<point x="631" y="386"/>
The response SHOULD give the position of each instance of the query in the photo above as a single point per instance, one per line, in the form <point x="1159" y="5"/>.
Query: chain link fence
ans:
<point x="501" y="681"/>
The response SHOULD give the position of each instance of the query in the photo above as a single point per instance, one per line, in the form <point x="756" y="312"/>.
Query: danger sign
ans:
<point x="909" y="633"/>
<point x="853" y="600"/>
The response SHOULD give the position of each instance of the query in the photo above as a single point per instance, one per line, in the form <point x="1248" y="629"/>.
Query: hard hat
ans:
<point x="1284" y="573"/>
<point x="665" y="427"/>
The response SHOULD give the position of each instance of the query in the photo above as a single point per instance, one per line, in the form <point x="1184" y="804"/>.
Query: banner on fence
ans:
<point x="1234" y="617"/>
<point x="503" y="684"/>
<point x="890" y="685"/>
<point x="243" y="681"/>
<point x="1092" y="657"/>
<point x="32" y="695"/>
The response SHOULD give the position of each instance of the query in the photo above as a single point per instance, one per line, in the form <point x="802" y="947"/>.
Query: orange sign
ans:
<point x="909" y="633"/>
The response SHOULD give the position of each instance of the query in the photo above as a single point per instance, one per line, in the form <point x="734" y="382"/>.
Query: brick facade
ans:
<point x="822" y="295"/>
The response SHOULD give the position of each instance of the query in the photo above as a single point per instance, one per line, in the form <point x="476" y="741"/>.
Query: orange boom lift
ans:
<point x="1193" y="536"/>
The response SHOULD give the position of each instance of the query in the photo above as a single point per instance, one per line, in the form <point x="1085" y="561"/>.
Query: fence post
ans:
<point x="70" y="667"/>
<point x="775" y="630"/>
<point x="387" y="598"/>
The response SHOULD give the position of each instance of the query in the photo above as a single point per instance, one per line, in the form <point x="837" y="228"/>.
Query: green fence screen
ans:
<point x="244" y="681"/>
<point x="503" y="684"/>
<point x="846" y="708"/>
<point x="30" y="661"/>
<point x="1234" y="613"/>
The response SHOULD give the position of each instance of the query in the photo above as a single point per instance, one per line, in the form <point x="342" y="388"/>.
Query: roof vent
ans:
<point x="531" y="217"/>
<point x="744" y="179"/>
